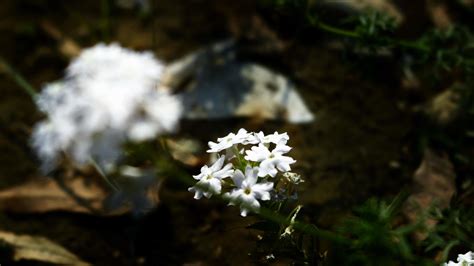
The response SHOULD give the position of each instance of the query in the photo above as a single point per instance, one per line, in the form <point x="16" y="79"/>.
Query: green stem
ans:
<point x="310" y="229"/>
<point x="103" y="175"/>
<point x="413" y="45"/>
<point x="18" y="78"/>
<point x="337" y="31"/>
<point x="266" y="213"/>
<point x="105" y="19"/>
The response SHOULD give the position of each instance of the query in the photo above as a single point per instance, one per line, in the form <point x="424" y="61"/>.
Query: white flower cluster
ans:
<point x="256" y="165"/>
<point x="110" y="95"/>
<point x="463" y="260"/>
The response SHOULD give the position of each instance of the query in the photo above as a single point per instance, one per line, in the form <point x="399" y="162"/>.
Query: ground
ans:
<point x="357" y="147"/>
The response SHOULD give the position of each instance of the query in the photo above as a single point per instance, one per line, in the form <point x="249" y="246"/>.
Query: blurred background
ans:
<point x="383" y="105"/>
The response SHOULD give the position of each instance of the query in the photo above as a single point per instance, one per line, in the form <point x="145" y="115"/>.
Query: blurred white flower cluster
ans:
<point x="463" y="260"/>
<point x="110" y="95"/>
<point x="257" y="170"/>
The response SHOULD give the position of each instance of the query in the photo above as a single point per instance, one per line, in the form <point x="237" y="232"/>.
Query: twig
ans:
<point x="78" y="199"/>
<point x="18" y="78"/>
<point x="412" y="45"/>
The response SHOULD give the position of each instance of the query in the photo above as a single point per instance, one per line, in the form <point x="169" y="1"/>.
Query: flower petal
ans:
<point x="218" y="164"/>
<point x="262" y="190"/>
<point x="224" y="172"/>
<point x="267" y="167"/>
<point x="281" y="148"/>
<point x="251" y="175"/>
<point x="257" y="154"/>
<point x="215" y="186"/>
<point x="238" y="177"/>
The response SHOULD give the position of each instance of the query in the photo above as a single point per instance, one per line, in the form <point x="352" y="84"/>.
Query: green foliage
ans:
<point x="454" y="231"/>
<point x="283" y="241"/>
<point x="374" y="29"/>
<point x="450" y="48"/>
<point x="373" y="235"/>
<point x="376" y="237"/>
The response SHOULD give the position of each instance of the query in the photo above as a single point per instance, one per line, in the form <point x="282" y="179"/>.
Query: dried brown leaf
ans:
<point x="38" y="249"/>
<point x="186" y="151"/>
<point x="66" y="46"/>
<point x="39" y="195"/>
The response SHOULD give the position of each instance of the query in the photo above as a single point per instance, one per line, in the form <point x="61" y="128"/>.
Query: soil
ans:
<point x="358" y="146"/>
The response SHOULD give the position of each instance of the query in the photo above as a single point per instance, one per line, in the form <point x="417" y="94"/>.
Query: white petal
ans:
<point x="258" y="153"/>
<point x="281" y="148"/>
<point x="262" y="190"/>
<point x="204" y="172"/>
<point x="238" y="177"/>
<point x="215" y="186"/>
<point x="279" y="138"/>
<point x="227" y="171"/>
<point x="249" y="202"/>
<point x="242" y="133"/>
<point x="212" y="146"/>
<point x="251" y="175"/>
<point x="234" y="196"/>
<point x="267" y="168"/>
<point x="197" y="192"/>
<point x="142" y="130"/>
<point x="229" y="136"/>
<point x="218" y="164"/>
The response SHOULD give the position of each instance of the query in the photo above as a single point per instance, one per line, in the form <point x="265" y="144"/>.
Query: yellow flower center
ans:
<point x="247" y="191"/>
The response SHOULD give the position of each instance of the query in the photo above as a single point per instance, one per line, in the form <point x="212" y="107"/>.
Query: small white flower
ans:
<point x="273" y="138"/>
<point x="463" y="260"/>
<point x="52" y="95"/>
<point x="242" y="137"/>
<point x="451" y="263"/>
<point x="108" y="97"/>
<point x="210" y="179"/>
<point x="248" y="191"/>
<point x="270" y="161"/>
<point x="159" y="113"/>
<point x="466" y="258"/>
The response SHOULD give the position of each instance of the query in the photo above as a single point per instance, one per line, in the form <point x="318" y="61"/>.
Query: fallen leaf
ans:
<point x="38" y="248"/>
<point x="43" y="194"/>
<point x="186" y="151"/>
<point x="66" y="46"/>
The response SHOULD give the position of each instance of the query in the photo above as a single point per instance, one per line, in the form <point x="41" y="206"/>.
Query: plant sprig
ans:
<point x="450" y="48"/>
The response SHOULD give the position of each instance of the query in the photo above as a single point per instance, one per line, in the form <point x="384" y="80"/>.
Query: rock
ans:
<point x="214" y="84"/>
